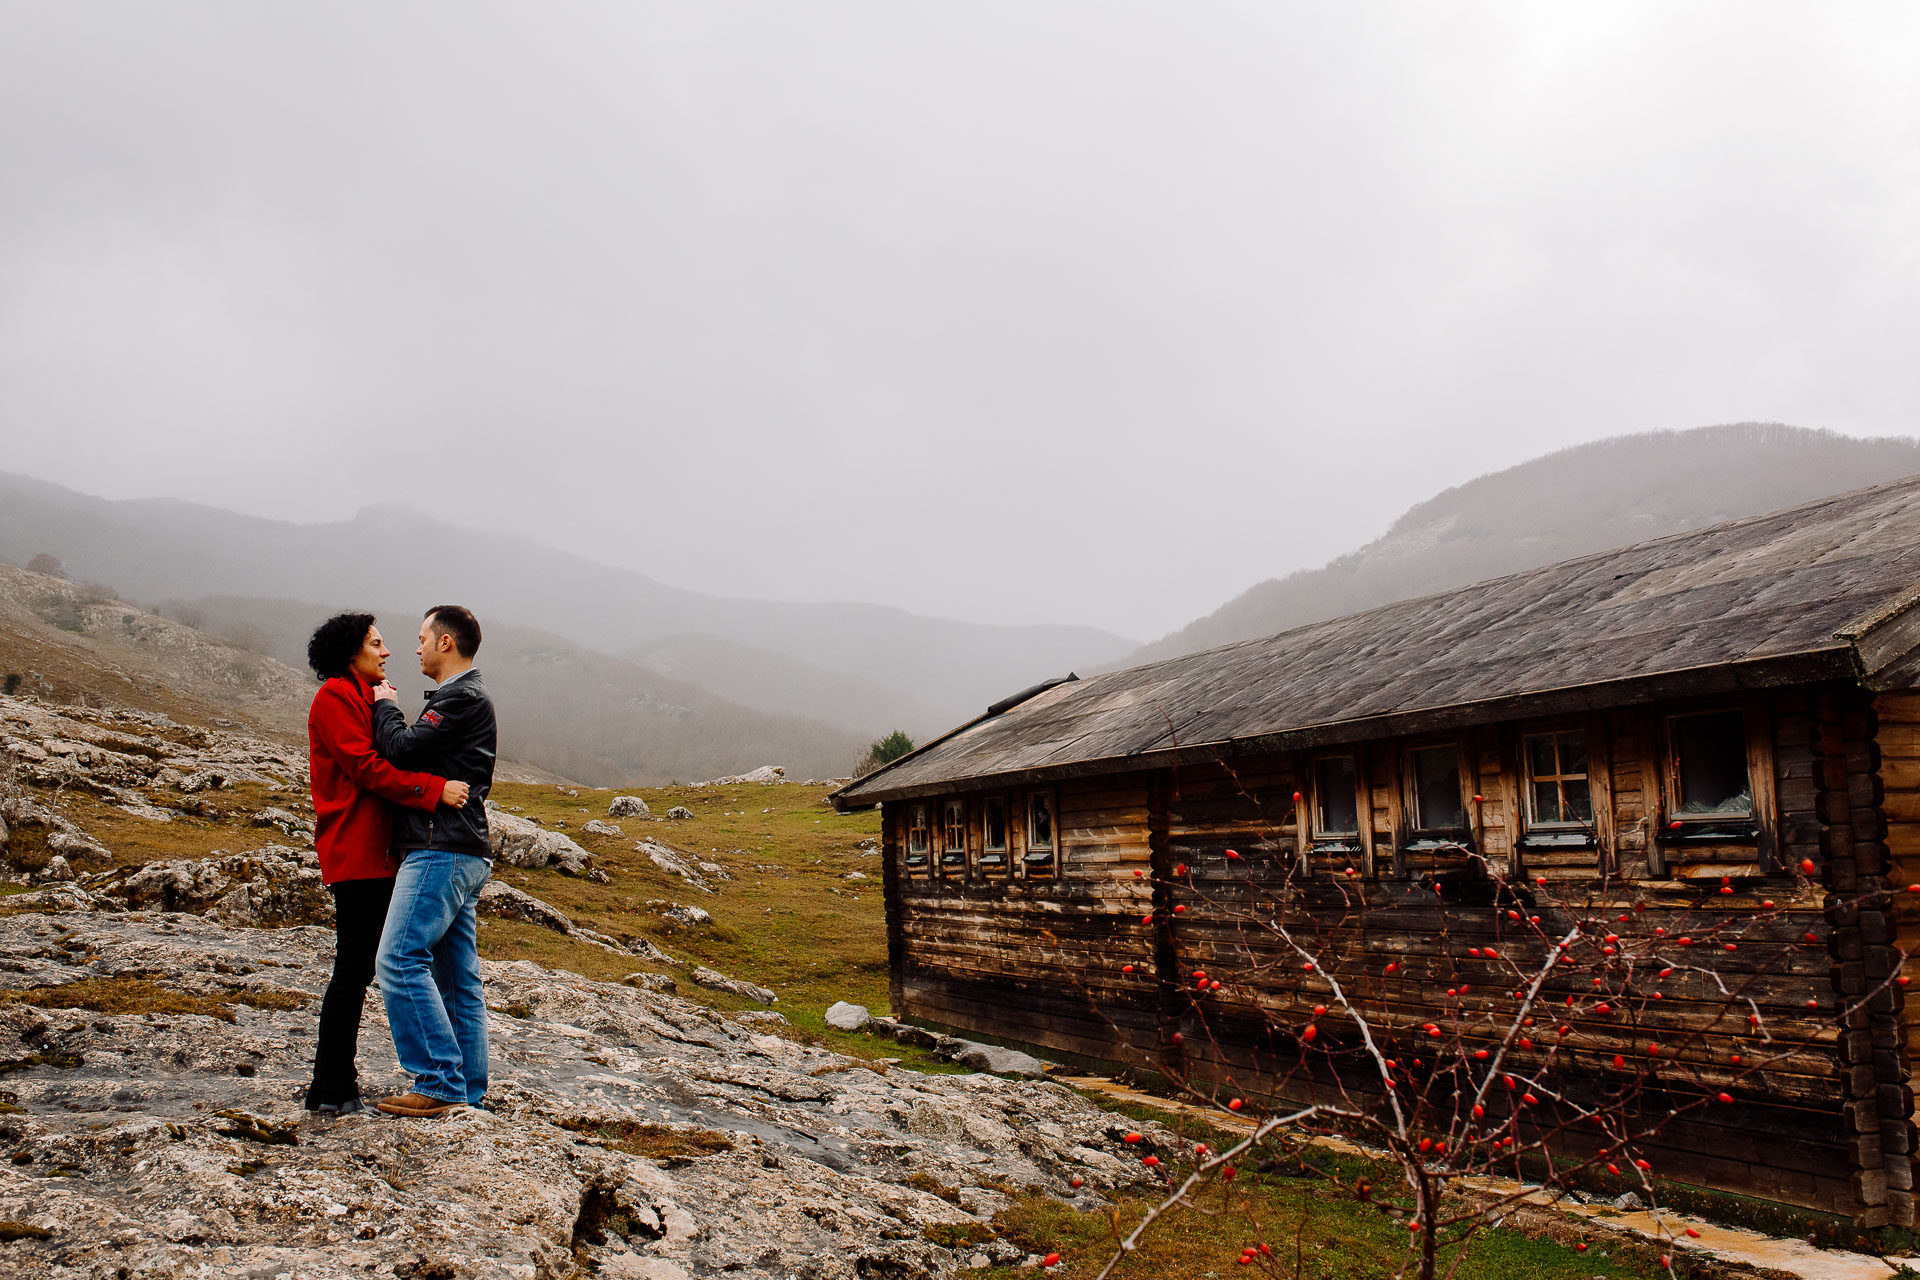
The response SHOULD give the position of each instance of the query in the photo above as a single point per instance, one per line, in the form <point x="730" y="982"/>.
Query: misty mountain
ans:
<point x="163" y="548"/>
<point x="772" y="682"/>
<point x="584" y="715"/>
<point x="1588" y="498"/>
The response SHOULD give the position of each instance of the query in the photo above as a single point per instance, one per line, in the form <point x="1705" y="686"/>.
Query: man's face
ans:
<point x="370" y="659"/>
<point x="436" y="650"/>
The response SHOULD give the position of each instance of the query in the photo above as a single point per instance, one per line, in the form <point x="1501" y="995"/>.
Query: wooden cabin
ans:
<point x="1674" y="729"/>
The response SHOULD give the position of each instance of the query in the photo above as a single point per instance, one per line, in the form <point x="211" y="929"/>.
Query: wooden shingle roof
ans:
<point x="1830" y="589"/>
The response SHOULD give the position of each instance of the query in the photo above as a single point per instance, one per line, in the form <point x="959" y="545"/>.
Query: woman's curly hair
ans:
<point x="335" y="641"/>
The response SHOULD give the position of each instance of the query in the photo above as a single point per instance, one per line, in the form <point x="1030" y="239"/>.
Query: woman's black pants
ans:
<point x="359" y="914"/>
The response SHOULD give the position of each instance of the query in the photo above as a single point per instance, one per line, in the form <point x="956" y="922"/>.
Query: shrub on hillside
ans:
<point x="883" y="752"/>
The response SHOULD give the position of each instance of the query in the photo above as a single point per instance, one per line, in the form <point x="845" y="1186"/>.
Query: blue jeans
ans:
<point x="429" y="967"/>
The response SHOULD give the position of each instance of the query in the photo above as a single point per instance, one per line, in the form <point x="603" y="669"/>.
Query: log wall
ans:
<point x="1823" y="1107"/>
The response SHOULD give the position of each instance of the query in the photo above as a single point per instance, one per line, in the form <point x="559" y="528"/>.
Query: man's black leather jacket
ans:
<point x="454" y="738"/>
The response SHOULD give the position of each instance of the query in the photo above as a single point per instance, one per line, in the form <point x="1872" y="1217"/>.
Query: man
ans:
<point x="429" y="961"/>
<point x="353" y="834"/>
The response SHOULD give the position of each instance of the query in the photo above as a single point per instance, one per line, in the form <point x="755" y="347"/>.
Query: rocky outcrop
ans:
<point x="632" y="1134"/>
<point x="274" y="886"/>
<point x="715" y="981"/>
<point x="674" y="863"/>
<point x="848" y="1017"/>
<point x="505" y="902"/>
<point x="765" y="775"/>
<point x="595" y="827"/>
<point x="525" y="843"/>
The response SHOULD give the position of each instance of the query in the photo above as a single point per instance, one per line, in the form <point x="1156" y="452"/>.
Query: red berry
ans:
<point x="1076" y="1183"/>
<point x="1232" y="854"/>
<point x="1051" y="1260"/>
<point x="1132" y="1137"/>
<point x="1151" y="1161"/>
<point x="1806" y="866"/>
<point x="1310" y="1033"/>
<point x="1235" y="1105"/>
<point x="1725" y="1097"/>
<point x="1126" y="968"/>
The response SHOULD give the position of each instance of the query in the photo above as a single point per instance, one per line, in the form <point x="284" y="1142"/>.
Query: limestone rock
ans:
<point x="679" y="812"/>
<point x="56" y="869"/>
<point x="1001" y="1061"/>
<point x="713" y="981"/>
<point x="628" y="807"/>
<point x="848" y="1017"/>
<point x="160" y="1119"/>
<point x="662" y="982"/>
<point x="765" y="775"/>
<point x="502" y="900"/>
<point x="525" y="843"/>
<point x="685" y="916"/>
<point x="595" y="827"/>
<point x="670" y="861"/>
<point x="80" y="850"/>
<point x="274" y="886"/>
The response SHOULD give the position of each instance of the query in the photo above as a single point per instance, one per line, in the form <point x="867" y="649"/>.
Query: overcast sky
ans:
<point x="1026" y="312"/>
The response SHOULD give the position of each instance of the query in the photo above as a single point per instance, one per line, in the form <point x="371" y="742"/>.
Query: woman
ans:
<point x="352" y="830"/>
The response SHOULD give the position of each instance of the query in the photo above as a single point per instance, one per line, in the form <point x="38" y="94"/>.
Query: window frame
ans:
<point x="1532" y="820"/>
<point x="1047" y="868"/>
<point x="1746" y="828"/>
<point x="1004" y="867"/>
<point x="920" y="809"/>
<point x="948" y="867"/>
<point x="1322" y="834"/>
<point x="1420" y="834"/>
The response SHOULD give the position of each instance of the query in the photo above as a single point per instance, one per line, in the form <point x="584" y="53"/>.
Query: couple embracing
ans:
<point x="400" y="823"/>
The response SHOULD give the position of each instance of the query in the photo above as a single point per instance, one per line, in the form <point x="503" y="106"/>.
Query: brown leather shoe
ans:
<point x="417" y="1104"/>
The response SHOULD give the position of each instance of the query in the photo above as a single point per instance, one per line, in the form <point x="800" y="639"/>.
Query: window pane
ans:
<point x="1040" y="824"/>
<point x="1573" y="752"/>
<point x="1334" y="787"/>
<point x="1540" y="758"/>
<point x="1436" y="779"/>
<point x="1546" y="802"/>
<point x="956" y="833"/>
<point x="996" y="824"/>
<point x="1579" y="800"/>
<point x="1711" y="761"/>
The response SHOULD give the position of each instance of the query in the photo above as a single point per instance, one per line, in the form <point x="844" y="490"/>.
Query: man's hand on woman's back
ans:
<point x="455" y="794"/>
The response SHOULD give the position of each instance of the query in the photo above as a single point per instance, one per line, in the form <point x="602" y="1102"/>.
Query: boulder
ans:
<point x="628" y="807"/>
<point x="56" y="869"/>
<point x="660" y="982"/>
<point x="670" y="861"/>
<point x="682" y="915"/>
<point x="595" y="827"/>
<point x="713" y="981"/>
<point x="524" y="843"/>
<point x="679" y="812"/>
<point x="270" y="887"/>
<point x="80" y="850"/>
<point x="1000" y="1061"/>
<point x="505" y="902"/>
<point x="848" y="1017"/>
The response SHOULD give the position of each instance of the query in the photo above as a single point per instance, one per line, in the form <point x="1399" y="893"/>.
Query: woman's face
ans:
<point x="370" y="660"/>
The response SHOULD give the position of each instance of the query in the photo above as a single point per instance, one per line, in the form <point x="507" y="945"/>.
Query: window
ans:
<point x="953" y="844"/>
<point x="1040" y="852"/>
<point x="918" y="838"/>
<point x="993" y="833"/>
<point x="1709" y="767"/>
<point x="1336" y="802"/>
<point x="1437" y="804"/>
<point x="1558" y="794"/>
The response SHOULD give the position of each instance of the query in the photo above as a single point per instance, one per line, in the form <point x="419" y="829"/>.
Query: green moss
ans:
<point x="957" y="1235"/>
<point x="654" y="1141"/>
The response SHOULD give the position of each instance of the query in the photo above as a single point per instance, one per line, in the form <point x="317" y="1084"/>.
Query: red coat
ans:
<point x="352" y="829"/>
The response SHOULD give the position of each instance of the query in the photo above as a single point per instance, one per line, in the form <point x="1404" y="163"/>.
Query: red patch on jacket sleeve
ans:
<point x="430" y="717"/>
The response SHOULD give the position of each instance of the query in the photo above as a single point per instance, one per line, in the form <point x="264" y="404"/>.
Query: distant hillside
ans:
<point x="163" y="549"/>
<point x="591" y="717"/>
<point x="766" y="680"/>
<point x="1588" y="498"/>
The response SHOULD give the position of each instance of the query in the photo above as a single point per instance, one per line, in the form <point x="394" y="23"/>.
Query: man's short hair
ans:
<point x="334" y="642"/>
<point x="452" y="620"/>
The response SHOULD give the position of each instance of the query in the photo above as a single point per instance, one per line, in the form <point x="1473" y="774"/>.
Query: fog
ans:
<point x="1029" y="312"/>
